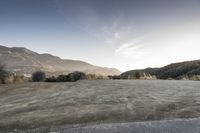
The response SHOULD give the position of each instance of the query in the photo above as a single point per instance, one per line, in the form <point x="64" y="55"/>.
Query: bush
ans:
<point x="75" y="76"/>
<point x="72" y="77"/>
<point x="19" y="79"/>
<point x="114" y="77"/>
<point x="38" y="76"/>
<point x="51" y="79"/>
<point x="63" y="78"/>
<point x="3" y="74"/>
<point x="91" y="76"/>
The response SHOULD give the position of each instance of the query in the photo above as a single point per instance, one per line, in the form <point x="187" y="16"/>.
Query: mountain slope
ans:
<point x="179" y="70"/>
<point x="26" y="61"/>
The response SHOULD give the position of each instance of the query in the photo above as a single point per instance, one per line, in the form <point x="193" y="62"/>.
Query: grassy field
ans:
<point x="38" y="105"/>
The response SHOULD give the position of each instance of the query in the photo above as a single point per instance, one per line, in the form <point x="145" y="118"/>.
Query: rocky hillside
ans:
<point x="181" y="70"/>
<point x="23" y="60"/>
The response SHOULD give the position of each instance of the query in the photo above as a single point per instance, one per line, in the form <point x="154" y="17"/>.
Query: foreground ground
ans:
<point x="57" y="105"/>
<point x="165" y="126"/>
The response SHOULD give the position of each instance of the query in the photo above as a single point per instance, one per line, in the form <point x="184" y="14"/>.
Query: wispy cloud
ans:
<point x="118" y="34"/>
<point x="131" y="49"/>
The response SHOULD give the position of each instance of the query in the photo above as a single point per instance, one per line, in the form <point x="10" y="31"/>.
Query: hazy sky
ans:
<point x="126" y="34"/>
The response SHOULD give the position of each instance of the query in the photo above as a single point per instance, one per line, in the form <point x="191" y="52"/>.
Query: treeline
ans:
<point x="7" y="77"/>
<point x="71" y="77"/>
<point x="180" y="71"/>
<point x="40" y="76"/>
<point x="189" y="70"/>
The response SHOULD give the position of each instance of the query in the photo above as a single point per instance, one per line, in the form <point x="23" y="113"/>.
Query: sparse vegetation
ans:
<point x="96" y="77"/>
<point x="19" y="79"/>
<point x="7" y="77"/>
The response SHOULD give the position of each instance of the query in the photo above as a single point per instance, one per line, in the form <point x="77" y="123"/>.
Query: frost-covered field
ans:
<point x="57" y="105"/>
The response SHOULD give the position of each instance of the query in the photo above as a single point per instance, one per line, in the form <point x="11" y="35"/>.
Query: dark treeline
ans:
<point x="40" y="76"/>
<point x="71" y="77"/>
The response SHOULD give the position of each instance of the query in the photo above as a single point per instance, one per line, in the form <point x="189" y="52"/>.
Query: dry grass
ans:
<point x="53" y="105"/>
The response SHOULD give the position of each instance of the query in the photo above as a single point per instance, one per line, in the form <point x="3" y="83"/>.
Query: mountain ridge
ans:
<point x="179" y="70"/>
<point x="23" y="60"/>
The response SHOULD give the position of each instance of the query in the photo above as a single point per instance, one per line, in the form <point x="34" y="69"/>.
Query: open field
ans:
<point x="56" y="105"/>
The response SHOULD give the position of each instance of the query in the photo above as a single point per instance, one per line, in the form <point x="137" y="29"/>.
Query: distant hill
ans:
<point x="181" y="70"/>
<point x="22" y="60"/>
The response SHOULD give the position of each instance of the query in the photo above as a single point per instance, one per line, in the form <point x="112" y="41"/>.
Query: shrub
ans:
<point x="63" y="78"/>
<point x="110" y="77"/>
<point x="72" y="77"/>
<point x="51" y="79"/>
<point x="91" y="76"/>
<point x="19" y="79"/>
<point x="38" y="76"/>
<point x="75" y="76"/>
<point x="114" y="77"/>
<point x="3" y="74"/>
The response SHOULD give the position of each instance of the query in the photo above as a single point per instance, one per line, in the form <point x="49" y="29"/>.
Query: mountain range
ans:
<point x="23" y="60"/>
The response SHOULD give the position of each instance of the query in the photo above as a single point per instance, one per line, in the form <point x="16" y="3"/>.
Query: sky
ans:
<point x="125" y="34"/>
